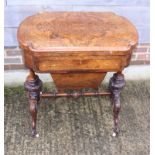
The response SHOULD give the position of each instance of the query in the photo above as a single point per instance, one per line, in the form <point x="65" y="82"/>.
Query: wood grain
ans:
<point x="71" y="45"/>
<point x="76" y="31"/>
<point x="77" y="81"/>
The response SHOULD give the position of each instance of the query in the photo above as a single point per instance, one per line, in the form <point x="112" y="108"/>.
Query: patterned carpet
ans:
<point x="78" y="126"/>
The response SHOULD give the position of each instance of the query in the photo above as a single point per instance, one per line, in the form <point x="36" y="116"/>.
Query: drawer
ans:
<point x="98" y="64"/>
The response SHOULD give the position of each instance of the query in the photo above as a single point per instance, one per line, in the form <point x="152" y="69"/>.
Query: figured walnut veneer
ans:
<point x="75" y="42"/>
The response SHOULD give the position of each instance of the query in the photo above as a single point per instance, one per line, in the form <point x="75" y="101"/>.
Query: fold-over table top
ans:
<point x="77" y="31"/>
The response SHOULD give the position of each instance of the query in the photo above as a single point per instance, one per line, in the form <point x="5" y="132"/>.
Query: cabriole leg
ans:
<point x="33" y="85"/>
<point x="116" y="84"/>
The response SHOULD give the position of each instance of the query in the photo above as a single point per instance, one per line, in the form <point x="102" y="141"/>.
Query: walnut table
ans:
<point x="77" y="49"/>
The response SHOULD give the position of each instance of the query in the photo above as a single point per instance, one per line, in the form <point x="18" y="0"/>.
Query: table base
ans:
<point x="34" y="86"/>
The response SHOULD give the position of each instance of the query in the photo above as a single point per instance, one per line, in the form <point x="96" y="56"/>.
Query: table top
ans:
<point x="77" y="31"/>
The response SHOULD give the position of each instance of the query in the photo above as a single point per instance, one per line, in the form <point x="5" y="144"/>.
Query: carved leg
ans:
<point x="33" y="85"/>
<point x="116" y="84"/>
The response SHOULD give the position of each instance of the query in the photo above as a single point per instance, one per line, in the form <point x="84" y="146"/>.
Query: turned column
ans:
<point x="116" y="84"/>
<point x="33" y="85"/>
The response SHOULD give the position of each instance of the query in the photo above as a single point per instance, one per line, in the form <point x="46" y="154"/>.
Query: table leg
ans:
<point x="33" y="85"/>
<point x="116" y="84"/>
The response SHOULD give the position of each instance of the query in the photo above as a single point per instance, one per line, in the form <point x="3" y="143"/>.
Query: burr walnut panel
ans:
<point x="80" y="65"/>
<point x="73" y="44"/>
<point x="84" y="31"/>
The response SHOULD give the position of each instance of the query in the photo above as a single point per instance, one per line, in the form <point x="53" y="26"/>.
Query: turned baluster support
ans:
<point x="116" y="84"/>
<point x="33" y="85"/>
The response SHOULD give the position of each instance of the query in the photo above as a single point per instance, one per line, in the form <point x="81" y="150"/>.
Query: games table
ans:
<point x="77" y="49"/>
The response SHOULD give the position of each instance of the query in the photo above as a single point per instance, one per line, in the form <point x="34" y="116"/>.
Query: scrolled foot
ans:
<point x="115" y="131"/>
<point x="34" y="134"/>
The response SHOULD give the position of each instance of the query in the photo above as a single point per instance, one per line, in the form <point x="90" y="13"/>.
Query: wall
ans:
<point x="16" y="10"/>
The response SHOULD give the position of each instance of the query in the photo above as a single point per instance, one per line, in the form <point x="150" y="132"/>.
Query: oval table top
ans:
<point x="77" y="31"/>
